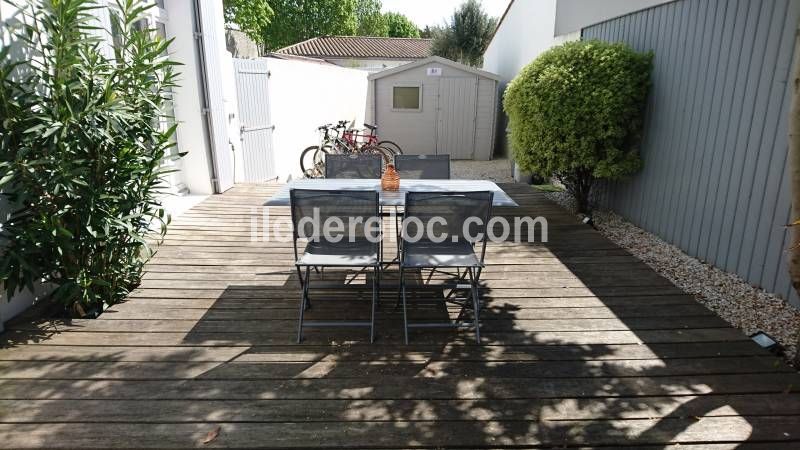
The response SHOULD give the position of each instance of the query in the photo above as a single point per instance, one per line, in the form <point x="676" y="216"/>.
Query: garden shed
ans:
<point x="436" y="106"/>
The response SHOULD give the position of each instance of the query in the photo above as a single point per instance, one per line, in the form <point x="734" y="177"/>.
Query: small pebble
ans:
<point x="745" y="307"/>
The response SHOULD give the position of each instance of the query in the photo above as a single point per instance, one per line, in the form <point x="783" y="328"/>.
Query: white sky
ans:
<point x="436" y="12"/>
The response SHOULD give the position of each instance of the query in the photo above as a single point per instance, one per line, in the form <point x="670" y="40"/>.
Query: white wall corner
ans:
<point x="574" y="15"/>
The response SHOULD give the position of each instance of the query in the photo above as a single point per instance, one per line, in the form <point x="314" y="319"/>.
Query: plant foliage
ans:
<point x="466" y="36"/>
<point x="576" y="113"/>
<point x="298" y="20"/>
<point x="400" y="26"/>
<point x="84" y="136"/>
<point x="252" y="17"/>
<point x="371" y="22"/>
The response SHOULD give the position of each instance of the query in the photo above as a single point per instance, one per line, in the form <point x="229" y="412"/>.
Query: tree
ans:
<point x="576" y="113"/>
<point x="370" y="20"/>
<point x="297" y="20"/>
<point x="400" y="25"/>
<point x="252" y="17"/>
<point x="466" y="36"/>
<point x="427" y="32"/>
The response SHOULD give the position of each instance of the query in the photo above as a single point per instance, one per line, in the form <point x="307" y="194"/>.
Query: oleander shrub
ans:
<point x="84" y="133"/>
<point x="576" y="114"/>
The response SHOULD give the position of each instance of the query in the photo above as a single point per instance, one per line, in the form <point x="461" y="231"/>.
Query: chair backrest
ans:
<point x="451" y="210"/>
<point x="353" y="165"/>
<point x="423" y="167"/>
<point x="311" y="208"/>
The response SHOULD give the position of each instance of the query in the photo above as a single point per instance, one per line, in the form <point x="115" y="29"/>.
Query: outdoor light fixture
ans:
<point x="766" y="342"/>
<point x="588" y="221"/>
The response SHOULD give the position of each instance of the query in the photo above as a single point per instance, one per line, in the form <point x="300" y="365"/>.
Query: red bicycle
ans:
<point x="339" y="139"/>
<point x="368" y="137"/>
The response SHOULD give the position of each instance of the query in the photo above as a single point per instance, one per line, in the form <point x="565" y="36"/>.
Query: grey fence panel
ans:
<point x="715" y="181"/>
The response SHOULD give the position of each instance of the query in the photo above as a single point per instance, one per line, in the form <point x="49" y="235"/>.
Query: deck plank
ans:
<point x="584" y="345"/>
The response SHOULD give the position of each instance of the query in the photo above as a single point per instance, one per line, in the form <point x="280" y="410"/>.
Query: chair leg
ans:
<point x="303" y="301"/>
<point x="399" y="291"/>
<point x="302" y="283"/>
<point x="476" y="307"/>
<point x="379" y="274"/>
<point x="403" y="296"/>
<point x="397" y="232"/>
<point x="375" y="276"/>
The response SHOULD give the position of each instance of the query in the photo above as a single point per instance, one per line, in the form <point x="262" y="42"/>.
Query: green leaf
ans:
<point x="82" y="142"/>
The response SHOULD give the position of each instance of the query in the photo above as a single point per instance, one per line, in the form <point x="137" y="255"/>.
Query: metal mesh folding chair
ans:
<point x="353" y="166"/>
<point x="420" y="167"/>
<point x="423" y="167"/>
<point x="450" y="245"/>
<point x="355" y="246"/>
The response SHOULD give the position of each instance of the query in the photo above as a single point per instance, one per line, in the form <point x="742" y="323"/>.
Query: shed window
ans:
<point x="405" y="97"/>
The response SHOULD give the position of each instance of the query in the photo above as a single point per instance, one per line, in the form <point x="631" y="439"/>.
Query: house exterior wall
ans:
<point x="714" y="181"/>
<point x="572" y="15"/>
<point x="369" y="65"/>
<point x="416" y="131"/>
<point x="188" y="99"/>
<point x="526" y="31"/>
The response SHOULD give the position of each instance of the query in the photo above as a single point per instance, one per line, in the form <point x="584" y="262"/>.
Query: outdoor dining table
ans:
<point x="391" y="198"/>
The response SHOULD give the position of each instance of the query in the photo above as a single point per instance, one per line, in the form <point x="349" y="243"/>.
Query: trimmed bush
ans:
<point x="576" y="113"/>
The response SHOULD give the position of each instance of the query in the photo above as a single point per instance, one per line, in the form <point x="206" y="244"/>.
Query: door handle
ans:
<point x="244" y="129"/>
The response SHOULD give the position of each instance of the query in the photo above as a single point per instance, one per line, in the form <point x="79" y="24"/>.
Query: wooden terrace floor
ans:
<point x="584" y="345"/>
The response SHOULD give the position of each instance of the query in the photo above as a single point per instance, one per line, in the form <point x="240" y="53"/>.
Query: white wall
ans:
<point x="572" y="15"/>
<point x="188" y="99"/>
<point x="370" y="65"/>
<point x="531" y="27"/>
<point x="305" y="95"/>
<point x="526" y="31"/>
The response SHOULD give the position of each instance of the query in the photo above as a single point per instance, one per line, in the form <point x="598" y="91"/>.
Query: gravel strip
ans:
<point x="732" y="298"/>
<point x="497" y="170"/>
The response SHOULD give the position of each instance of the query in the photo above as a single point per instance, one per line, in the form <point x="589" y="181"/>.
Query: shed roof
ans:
<point x="361" y="47"/>
<point x="435" y="59"/>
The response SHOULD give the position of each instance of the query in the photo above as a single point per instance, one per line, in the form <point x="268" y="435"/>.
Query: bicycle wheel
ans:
<point x="341" y="146"/>
<point x="391" y="146"/>
<point x="312" y="161"/>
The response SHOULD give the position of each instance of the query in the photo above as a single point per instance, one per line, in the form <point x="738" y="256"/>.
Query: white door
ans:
<point x="213" y="34"/>
<point x="256" y="161"/>
<point x="455" y="123"/>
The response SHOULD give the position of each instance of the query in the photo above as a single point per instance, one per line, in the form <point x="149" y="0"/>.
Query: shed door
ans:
<point x="455" y="127"/>
<point x="257" y="160"/>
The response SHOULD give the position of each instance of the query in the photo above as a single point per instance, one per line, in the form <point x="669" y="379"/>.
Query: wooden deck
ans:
<point x="584" y="345"/>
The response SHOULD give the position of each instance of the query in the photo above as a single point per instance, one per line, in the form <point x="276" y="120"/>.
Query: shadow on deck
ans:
<point x="583" y="346"/>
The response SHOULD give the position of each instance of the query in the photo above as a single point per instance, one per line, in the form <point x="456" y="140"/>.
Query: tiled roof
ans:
<point x="361" y="47"/>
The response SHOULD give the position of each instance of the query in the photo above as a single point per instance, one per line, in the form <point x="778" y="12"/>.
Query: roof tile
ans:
<point x="361" y="47"/>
